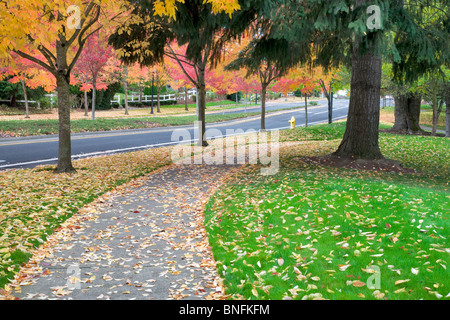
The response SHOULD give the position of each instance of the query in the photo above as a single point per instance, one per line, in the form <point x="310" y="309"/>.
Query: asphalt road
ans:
<point x="32" y="151"/>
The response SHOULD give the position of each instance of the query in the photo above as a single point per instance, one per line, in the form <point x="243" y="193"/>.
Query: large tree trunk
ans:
<point x="27" y="109"/>
<point x="407" y="113"/>
<point x="263" y="107"/>
<point x="201" y="96"/>
<point x="361" y="135"/>
<point x="65" y="146"/>
<point x="400" y="113"/>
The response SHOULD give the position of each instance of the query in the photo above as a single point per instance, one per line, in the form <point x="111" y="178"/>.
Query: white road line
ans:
<point x="151" y="146"/>
<point x="87" y="155"/>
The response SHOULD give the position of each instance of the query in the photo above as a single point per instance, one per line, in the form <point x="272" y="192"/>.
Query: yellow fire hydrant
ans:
<point x="292" y="122"/>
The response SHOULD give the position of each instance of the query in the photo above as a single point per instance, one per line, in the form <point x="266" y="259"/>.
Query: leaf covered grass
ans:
<point x="312" y="232"/>
<point x="35" y="202"/>
<point x="50" y="126"/>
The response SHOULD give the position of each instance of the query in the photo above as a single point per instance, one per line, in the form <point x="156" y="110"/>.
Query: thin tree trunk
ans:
<point x="361" y="138"/>
<point x="330" y="107"/>
<point x="125" y="86"/>
<point x="223" y="104"/>
<point x="447" y="114"/>
<point x="27" y="109"/>
<point x="94" y="84"/>
<point x="263" y="107"/>
<point x="86" y="104"/>
<point x="437" y="109"/>
<point x="245" y="105"/>
<point x="306" y="111"/>
<point x="201" y="97"/>
<point x="158" y="96"/>
<point x="186" y="99"/>
<point x="65" y="146"/>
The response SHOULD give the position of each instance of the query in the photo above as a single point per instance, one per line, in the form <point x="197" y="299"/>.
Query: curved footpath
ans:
<point x="144" y="240"/>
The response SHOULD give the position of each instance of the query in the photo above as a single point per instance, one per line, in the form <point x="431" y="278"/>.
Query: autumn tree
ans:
<point x="201" y="26"/>
<point x="92" y="62"/>
<point x="57" y="31"/>
<point x="267" y="58"/>
<point x="162" y="78"/>
<point x="29" y="75"/>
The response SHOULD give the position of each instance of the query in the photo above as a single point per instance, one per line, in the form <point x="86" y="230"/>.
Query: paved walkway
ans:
<point x="142" y="241"/>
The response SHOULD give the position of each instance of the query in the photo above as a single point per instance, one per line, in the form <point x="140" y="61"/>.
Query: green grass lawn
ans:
<point x="320" y="232"/>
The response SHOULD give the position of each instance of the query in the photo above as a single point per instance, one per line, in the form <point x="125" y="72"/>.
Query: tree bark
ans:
<point x="437" y="109"/>
<point x="401" y="113"/>
<point x="407" y="113"/>
<point x="94" y="84"/>
<point x="158" y="96"/>
<point x="65" y="145"/>
<point x="186" y="99"/>
<point x="263" y="107"/>
<point x="27" y="109"/>
<point x="86" y="104"/>
<point x="413" y="117"/>
<point x="361" y="134"/>
<point x="447" y="114"/>
<point x="201" y="96"/>
<point x="306" y="110"/>
<point x="125" y="86"/>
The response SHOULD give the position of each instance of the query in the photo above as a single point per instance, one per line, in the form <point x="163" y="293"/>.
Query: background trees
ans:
<point x="412" y="35"/>
<point x="193" y="25"/>
<point x="92" y="62"/>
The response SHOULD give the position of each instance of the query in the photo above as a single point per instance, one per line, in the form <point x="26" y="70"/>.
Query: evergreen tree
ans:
<point x="356" y="33"/>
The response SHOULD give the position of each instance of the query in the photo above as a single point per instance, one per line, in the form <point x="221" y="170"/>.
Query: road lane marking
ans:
<point x="100" y="153"/>
<point x="216" y="124"/>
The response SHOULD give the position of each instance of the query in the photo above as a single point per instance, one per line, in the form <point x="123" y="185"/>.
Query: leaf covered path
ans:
<point x="144" y="240"/>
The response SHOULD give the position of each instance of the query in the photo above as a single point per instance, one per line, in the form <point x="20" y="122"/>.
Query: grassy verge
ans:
<point x="23" y="128"/>
<point x="46" y="127"/>
<point x="34" y="202"/>
<point x="313" y="232"/>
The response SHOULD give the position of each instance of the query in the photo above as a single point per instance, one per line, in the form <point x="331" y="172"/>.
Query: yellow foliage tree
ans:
<point x="52" y="34"/>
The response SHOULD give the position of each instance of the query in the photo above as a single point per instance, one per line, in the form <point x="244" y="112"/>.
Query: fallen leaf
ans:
<point x="401" y="281"/>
